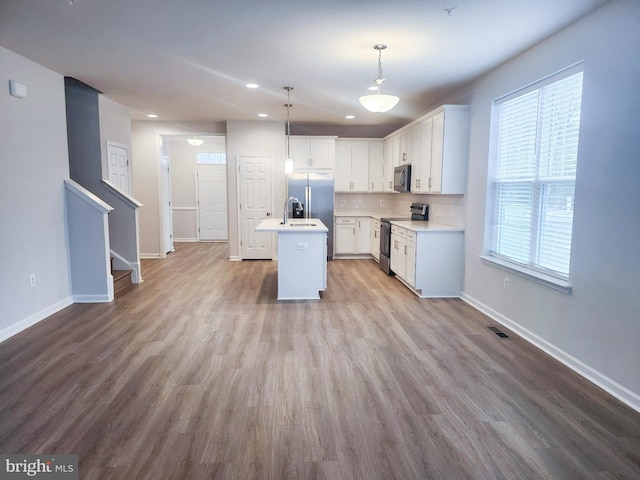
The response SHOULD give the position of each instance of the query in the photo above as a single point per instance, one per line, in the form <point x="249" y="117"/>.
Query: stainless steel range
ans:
<point x="419" y="212"/>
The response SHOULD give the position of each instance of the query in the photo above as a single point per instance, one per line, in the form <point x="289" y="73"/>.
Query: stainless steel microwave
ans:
<point x="402" y="178"/>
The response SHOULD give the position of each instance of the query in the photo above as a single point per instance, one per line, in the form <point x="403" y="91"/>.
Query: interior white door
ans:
<point x="118" y="166"/>
<point x="212" y="202"/>
<point x="167" y="212"/>
<point x="255" y="206"/>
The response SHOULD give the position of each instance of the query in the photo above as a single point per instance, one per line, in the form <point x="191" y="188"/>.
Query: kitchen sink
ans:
<point x="302" y="224"/>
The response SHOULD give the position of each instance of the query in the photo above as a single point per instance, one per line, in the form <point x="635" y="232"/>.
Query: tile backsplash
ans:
<point x="447" y="209"/>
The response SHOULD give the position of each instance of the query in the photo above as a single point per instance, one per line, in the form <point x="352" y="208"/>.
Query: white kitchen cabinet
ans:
<point x="345" y="235"/>
<point x="421" y="168"/>
<point x="406" y="142"/>
<point x="312" y="153"/>
<point x="430" y="262"/>
<point x="376" y="166"/>
<point x="353" y="235"/>
<point x="398" y="251"/>
<point x="374" y="244"/>
<point x="446" y="157"/>
<point x="391" y="155"/>
<point x="363" y="235"/>
<point x="352" y="165"/>
<point x="410" y="258"/>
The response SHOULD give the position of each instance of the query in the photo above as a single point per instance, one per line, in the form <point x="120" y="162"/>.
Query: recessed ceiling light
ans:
<point x="263" y="115"/>
<point x="252" y="85"/>
<point x="152" y="115"/>
<point x="350" y="117"/>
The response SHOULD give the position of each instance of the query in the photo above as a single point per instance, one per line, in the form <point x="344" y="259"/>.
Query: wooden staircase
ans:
<point x="121" y="279"/>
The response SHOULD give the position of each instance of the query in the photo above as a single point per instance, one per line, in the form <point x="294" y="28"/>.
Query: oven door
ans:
<point x="385" y="239"/>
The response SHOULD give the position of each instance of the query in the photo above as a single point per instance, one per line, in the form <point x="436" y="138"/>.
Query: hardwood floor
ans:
<point x="200" y="373"/>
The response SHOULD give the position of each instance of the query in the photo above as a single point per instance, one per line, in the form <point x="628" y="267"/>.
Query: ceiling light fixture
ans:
<point x="379" y="103"/>
<point x="195" y="141"/>
<point x="288" y="163"/>
<point x="252" y="85"/>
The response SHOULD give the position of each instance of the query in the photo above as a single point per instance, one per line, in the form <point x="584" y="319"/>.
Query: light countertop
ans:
<point x="294" y="225"/>
<point x="419" y="226"/>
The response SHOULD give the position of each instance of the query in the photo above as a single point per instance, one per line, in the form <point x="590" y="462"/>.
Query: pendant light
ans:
<point x="288" y="163"/>
<point x="195" y="141"/>
<point x="377" y="102"/>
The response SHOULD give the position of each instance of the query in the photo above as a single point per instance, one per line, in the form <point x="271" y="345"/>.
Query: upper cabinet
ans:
<point x="312" y="153"/>
<point x="376" y="166"/>
<point x="358" y="165"/>
<point x="438" y="152"/>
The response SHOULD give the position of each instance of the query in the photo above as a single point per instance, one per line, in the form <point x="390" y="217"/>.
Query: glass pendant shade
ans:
<point x="288" y="166"/>
<point x="378" y="103"/>
<point x="195" y="142"/>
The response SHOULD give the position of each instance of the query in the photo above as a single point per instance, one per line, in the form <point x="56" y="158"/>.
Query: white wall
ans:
<point x="34" y="160"/>
<point x="596" y="329"/>
<point x="115" y="126"/>
<point x="184" y="192"/>
<point x="253" y="138"/>
<point x="146" y="147"/>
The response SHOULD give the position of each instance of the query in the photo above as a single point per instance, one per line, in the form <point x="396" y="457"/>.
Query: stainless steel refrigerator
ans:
<point x="315" y="192"/>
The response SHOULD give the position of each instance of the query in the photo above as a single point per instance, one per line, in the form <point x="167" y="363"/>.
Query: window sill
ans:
<point x="538" y="277"/>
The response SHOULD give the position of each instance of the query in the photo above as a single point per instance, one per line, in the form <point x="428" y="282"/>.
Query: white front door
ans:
<point x="118" y="166"/>
<point x="212" y="202"/>
<point x="255" y="206"/>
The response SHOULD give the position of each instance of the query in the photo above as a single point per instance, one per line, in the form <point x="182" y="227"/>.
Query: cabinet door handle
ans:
<point x="354" y="230"/>
<point x="371" y="185"/>
<point x="405" y="249"/>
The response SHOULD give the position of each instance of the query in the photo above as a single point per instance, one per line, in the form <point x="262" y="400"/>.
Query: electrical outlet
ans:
<point x="506" y="283"/>
<point x="32" y="279"/>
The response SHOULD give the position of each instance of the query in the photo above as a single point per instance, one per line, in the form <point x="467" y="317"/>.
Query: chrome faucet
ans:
<point x="286" y="204"/>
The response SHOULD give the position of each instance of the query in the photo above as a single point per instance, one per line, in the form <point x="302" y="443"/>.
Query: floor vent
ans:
<point x="498" y="332"/>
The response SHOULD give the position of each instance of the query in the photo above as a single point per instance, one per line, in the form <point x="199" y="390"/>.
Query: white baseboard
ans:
<point x="31" y="320"/>
<point x="150" y="255"/>
<point x="92" y="299"/>
<point x="235" y="258"/>
<point x="185" y="240"/>
<point x="619" y="391"/>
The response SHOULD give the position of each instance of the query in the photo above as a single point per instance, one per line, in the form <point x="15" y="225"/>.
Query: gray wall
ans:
<point x="34" y="160"/>
<point x="596" y="329"/>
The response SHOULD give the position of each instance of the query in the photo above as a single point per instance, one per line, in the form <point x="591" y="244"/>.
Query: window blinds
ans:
<point x="534" y="175"/>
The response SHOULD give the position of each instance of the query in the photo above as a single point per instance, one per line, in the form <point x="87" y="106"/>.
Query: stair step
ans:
<point x="121" y="280"/>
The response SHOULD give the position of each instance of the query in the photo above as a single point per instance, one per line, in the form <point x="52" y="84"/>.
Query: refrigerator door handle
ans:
<point x="307" y="194"/>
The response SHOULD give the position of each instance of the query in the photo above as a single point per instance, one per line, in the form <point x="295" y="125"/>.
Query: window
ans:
<point x="534" y="172"/>
<point x="204" y="158"/>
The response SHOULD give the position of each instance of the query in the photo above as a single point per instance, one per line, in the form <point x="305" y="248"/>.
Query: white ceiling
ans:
<point x="189" y="60"/>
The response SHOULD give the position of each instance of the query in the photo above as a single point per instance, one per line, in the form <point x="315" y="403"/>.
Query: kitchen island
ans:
<point x="302" y="256"/>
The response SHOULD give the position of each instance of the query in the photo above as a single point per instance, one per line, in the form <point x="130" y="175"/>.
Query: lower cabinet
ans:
<point x="399" y="251"/>
<point x="375" y="239"/>
<point x="353" y="235"/>
<point x="429" y="262"/>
